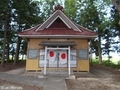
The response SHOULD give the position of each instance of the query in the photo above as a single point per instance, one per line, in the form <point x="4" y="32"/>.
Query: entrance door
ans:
<point x="57" y="59"/>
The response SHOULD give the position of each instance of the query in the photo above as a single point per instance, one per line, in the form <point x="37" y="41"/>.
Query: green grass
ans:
<point x="107" y="63"/>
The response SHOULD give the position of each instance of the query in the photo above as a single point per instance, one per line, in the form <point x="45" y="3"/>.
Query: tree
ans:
<point x="88" y="13"/>
<point x="5" y="9"/>
<point x="116" y="3"/>
<point x="115" y="27"/>
<point x="47" y="8"/>
<point x="108" y="38"/>
<point x="70" y="9"/>
<point x="26" y="15"/>
<point x="91" y="19"/>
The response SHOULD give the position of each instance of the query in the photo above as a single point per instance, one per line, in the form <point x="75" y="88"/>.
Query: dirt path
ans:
<point x="100" y="78"/>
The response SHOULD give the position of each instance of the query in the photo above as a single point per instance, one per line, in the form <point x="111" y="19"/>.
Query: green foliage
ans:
<point x="88" y="13"/>
<point x="23" y="14"/>
<point x="26" y="13"/>
<point x="118" y="2"/>
<point x="95" y="62"/>
<point x="108" y="63"/>
<point x="70" y="9"/>
<point x="118" y="63"/>
<point x="47" y="8"/>
<point x="115" y="27"/>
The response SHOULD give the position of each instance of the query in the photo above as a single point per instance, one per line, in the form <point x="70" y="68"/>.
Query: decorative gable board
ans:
<point x="63" y="17"/>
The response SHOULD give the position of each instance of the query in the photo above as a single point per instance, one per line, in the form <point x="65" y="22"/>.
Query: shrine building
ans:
<point x="58" y="44"/>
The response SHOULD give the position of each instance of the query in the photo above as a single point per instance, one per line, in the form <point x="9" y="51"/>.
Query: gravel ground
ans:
<point x="101" y="78"/>
<point x="9" y="66"/>
<point x="8" y="85"/>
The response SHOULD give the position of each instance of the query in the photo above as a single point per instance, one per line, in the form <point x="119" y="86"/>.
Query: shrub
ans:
<point x="118" y="63"/>
<point x="108" y="63"/>
<point x="94" y="61"/>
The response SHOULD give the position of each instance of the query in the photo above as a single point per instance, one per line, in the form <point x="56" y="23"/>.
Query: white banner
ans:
<point x="51" y="55"/>
<point x="63" y="57"/>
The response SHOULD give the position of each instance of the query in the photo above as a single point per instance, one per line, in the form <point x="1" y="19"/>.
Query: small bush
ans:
<point x="118" y="63"/>
<point x="95" y="62"/>
<point x="108" y="63"/>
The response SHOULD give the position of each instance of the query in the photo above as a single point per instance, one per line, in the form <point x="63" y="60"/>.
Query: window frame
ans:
<point x="33" y="52"/>
<point x="83" y="54"/>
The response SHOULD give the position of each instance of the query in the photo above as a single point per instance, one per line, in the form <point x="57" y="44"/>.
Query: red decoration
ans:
<point x="58" y="7"/>
<point x="63" y="56"/>
<point x="51" y="53"/>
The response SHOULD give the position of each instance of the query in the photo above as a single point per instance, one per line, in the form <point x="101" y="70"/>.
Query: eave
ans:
<point x="58" y="36"/>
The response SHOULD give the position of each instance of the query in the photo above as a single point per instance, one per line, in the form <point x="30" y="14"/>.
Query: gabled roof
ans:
<point x="58" y="25"/>
<point x="58" y="33"/>
<point x="63" y="17"/>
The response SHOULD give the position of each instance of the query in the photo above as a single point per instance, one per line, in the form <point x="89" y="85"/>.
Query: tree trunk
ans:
<point x="22" y="57"/>
<point x="4" y="42"/>
<point x="13" y="52"/>
<point x="17" y="51"/>
<point x="90" y="53"/>
<point x="99" y="50"/>
<point x="25" y="49"/>
<point x="12" y="57"/>
<point x="117" y="5"/>
<point x="119" y="19"/>
<point x="7" y="54"/>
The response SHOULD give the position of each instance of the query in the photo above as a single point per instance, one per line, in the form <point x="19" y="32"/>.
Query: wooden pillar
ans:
<point x="45" y="61"/>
